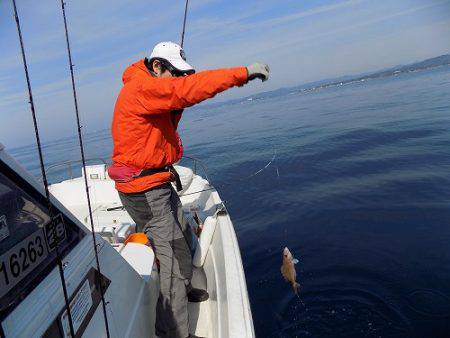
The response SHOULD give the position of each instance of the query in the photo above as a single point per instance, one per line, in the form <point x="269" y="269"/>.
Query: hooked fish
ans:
<point x="288" y="269"/>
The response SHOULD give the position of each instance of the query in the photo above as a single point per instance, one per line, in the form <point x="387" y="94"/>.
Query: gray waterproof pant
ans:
<point x="158" y="213"/>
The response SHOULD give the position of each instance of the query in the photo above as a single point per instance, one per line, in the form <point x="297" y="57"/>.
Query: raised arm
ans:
<point x="165" y="94"/>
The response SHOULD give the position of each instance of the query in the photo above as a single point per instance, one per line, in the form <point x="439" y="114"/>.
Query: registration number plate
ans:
<point x="79" y="309"/>
<point x="20" y="260"/>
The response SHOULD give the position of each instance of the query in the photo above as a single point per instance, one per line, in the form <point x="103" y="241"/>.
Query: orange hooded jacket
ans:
<point x="145" y="119"/>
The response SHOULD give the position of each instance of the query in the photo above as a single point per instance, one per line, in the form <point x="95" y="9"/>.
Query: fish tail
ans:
<point x="296" y="287"/>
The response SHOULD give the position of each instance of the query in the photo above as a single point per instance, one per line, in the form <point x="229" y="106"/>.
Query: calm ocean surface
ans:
<point x="362" y="200"/>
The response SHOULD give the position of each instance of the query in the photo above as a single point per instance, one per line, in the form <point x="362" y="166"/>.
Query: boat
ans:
<point x="32" y="302"/>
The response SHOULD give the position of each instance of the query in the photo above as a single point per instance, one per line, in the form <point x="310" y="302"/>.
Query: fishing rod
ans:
<point x="80" y="139"/>
<point x="184" y="23"/>
<point x="44" y="176"/>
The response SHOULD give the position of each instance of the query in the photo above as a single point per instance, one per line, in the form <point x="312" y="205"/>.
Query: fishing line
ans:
<point x="44" y="176"/>
<point x="304" y="306"/>
<point x="259" y="171"/>
<point x="263" y="168"/>
<point x="211" y="187"/>
<point x="80" y="139"/>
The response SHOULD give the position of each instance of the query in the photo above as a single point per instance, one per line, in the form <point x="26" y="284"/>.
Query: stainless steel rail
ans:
<point x="202" y="165"/>
<point x="70" y="165"/>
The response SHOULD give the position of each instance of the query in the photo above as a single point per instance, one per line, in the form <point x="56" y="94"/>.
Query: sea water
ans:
<point x="359" y="191"/>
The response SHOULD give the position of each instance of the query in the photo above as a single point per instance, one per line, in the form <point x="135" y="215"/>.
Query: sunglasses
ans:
<point x="175" y="72"/>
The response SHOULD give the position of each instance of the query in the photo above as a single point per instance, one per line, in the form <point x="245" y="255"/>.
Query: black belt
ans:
<point x="169" y="168"/>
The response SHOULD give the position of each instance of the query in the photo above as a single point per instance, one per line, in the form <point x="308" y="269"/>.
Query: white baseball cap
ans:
<point x="172" y="53"/>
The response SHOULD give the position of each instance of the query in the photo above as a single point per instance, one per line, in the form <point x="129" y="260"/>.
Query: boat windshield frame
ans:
<point x="71" y="234"/>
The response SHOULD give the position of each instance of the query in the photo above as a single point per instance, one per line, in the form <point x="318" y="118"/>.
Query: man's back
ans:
<point x="142" y="139"/>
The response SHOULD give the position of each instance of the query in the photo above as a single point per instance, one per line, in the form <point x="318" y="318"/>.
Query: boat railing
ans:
<point x="76" y="164"/>
<point x="198" y="163"/>
<point x="70" y="165"/>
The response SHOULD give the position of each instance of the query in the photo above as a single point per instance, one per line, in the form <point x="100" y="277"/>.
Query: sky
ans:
<point x="302" y="41"/>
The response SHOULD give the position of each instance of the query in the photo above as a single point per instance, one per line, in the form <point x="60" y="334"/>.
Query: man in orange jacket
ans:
<point x="146" y="144"/>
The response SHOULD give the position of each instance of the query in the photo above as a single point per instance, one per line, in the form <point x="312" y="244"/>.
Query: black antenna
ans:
<point x="84" y="168"/>
<point x="184" y="23"/>
<point x="44" y="176"/>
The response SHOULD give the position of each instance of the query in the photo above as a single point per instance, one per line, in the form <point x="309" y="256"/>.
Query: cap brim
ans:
<point x="181" y="65"/>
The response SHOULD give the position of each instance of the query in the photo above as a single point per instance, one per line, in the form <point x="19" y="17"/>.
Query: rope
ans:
<point x="44" y="177"/>
<point x="184" y="23"/>
<point x="80" y="139"/>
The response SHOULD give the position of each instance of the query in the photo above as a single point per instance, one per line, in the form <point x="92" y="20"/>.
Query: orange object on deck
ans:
<point x="138" y="237"/>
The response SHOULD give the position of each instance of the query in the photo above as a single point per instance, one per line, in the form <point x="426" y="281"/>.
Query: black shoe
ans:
<point x="197" y="295"/>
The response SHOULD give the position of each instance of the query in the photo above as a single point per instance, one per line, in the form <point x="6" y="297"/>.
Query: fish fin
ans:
<point x="295" y="260"/>
<point x="296" y="287"/>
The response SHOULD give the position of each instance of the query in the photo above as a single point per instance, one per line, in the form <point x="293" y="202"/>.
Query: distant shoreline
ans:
<point x="428" y="64"/>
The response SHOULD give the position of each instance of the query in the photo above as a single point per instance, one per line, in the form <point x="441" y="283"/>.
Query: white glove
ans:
<point x="258" y="70"/>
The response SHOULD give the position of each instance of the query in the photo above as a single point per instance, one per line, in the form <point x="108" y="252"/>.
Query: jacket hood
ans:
<point x="136" y="69"/>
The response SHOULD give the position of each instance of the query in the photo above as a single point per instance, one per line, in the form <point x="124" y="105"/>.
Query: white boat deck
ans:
<point x="227" y="312"/>
<point x="199" y="320"/>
